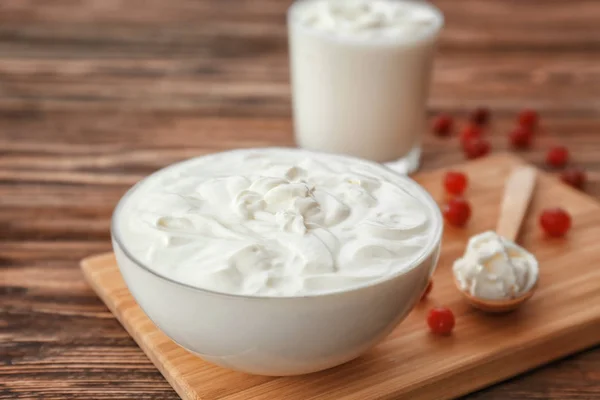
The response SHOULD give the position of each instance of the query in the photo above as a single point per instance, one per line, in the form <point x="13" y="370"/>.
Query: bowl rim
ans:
<point x="416" y="190"/>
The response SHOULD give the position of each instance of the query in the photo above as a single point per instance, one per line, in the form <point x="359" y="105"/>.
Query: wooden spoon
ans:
<point x="518" y="191"/>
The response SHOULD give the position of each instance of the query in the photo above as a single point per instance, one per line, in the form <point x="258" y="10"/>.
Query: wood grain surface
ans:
<point x="411" y="363"/>
<point x="95" y="94"/>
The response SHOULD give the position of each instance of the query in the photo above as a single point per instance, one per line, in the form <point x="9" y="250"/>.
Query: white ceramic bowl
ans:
<point x="280" y="335"/>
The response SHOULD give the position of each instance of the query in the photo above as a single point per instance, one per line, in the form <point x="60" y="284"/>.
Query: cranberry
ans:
<point x="574" y="177"/>
<point x="457" y="211"/>
<point x="557" y="156"/>
<point x="520" y="138"/>
<point x="455" y="182"/>
<point x="470" y="132"/>
<point x="480" y="116"/>
<point x="528" y="119"/>
<point x="427" y="290"/>
<point x="440" y="320"/>
<point x="442" y="125"/>
<point x="555" y="221"/>
<point x="476" y="148"/>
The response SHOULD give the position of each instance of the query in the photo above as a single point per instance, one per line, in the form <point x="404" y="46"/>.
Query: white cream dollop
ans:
<point x="275" y="222"/>
<point x="495" y="268"/>
<point x="367" y="18"/>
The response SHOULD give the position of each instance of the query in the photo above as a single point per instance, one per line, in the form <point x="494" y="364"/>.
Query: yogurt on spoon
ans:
<point x="495" y="274"/>
<point x="495" y="268"/>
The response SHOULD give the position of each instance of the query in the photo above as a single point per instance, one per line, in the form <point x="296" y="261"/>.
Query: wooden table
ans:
<point x="95" y="94"/>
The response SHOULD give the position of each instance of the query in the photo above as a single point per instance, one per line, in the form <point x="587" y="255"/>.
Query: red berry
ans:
<point x="555" y="221"/>
<point x="520" y="138"/>
<point x="442" y="125"/>
<point x="457" y="211"/>
<point x="455" y="182"/>
<point x="440" y="320"/>
<point x="427" y="289"/>
<point x="476" y="148"/>
<point x="470" y="132"/>
<point x="528" y="119"/>
<point x="557" y="156"/>
<point x="480" y="116"/>
<point x="574" y="177"/>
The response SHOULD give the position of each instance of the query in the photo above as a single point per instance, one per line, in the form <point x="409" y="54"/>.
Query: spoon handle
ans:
<point x="517" y="195"/>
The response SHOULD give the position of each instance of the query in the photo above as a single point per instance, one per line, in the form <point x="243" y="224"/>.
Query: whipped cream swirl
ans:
<point x="274" y="222"/>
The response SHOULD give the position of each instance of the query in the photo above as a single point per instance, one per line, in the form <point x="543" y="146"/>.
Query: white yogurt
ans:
<point x="495" y="268"/>
<point x="275" y="222"/>
<point x="360" y="74"/>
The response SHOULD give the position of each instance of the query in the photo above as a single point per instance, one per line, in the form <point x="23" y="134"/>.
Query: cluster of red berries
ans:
<point x="522" y="136"/>
<point x="557" y="156"/>
<point x="555" y="222"/>
<point x="457" y="211"/>
<point x="474" y="145"/>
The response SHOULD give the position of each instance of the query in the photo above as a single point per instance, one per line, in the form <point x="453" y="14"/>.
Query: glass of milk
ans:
<point x="360" y="72"/>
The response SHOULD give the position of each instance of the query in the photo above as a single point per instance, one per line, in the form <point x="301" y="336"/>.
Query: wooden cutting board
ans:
<point x="562" y="317"/>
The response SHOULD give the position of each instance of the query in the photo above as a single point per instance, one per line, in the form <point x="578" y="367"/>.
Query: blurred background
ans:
<point x="158" y="76"/>
<point x="95" y="94"/>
